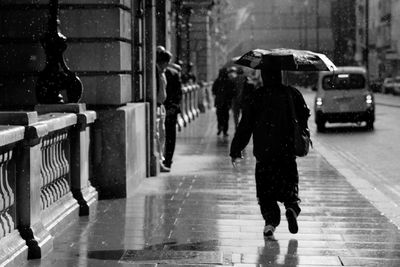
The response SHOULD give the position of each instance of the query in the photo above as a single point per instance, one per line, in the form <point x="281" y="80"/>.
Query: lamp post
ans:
<point x="56" y="76"/>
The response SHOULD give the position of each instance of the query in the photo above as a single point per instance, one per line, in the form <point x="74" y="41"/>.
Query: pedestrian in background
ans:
<point x="189" y="77"/>
<point x="222" y="90"/>
<point x="172" y="106"/>
<point x="163" y="58"/>
<point x="267" y="117"/>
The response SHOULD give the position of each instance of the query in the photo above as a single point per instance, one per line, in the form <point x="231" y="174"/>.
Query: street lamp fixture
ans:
<point x="56" y="76"/>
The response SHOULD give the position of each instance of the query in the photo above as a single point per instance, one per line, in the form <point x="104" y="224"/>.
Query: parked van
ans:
<point x="344" y="96"/>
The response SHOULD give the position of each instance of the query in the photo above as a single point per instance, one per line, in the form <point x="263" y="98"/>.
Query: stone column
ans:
<point x="161" y="22"/>
<point x="201" y="42"/>
<point x="150" y="44"/>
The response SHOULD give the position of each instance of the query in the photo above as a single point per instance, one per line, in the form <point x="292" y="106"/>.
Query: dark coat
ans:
<point x="174" y="89"/>
<point x="222" y="90"/>
<point x="267" y="117"/>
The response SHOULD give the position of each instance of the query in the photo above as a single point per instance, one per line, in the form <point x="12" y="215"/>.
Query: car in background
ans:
<point x="344" y="96"/>
<point x="391" y="85"/>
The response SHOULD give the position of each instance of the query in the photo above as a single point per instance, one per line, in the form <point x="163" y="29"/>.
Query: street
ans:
<point x="118" y="120"/>
<point x="370" y="157"/>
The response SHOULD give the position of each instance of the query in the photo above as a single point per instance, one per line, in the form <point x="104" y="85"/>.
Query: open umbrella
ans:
<point x="231" y="62"/>
<point x="286" y="59"/>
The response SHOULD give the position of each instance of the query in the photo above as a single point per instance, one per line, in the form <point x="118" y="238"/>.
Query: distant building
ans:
<point x="279" y="23"/>
<point x="375" y="65"/>
<point x="381" y="50"/>
<point x="218" y="32"/>
<point x="344" y="32"/>
<point x="388" y="38"/>
<point x="361" y="33"/>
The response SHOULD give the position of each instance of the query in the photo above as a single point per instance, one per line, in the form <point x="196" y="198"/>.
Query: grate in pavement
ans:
<point x="172" y="257"/>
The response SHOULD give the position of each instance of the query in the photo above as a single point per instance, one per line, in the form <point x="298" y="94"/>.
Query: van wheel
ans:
<point x="320" y="126"/>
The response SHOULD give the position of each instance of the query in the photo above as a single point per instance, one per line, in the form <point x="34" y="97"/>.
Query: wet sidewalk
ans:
<point x="204" y="213"/>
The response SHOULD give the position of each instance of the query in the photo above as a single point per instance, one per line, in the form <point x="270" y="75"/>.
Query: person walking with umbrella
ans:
<point x="268" y="117"/>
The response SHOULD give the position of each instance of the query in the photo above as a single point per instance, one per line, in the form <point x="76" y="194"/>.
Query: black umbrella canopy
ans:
<point x="286" y="59"/>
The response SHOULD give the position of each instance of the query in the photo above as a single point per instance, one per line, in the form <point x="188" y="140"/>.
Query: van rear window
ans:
<point x="345" y="81"/>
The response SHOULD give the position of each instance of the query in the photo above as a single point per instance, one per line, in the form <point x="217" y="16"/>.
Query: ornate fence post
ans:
<point x="56" y="76"/>
<point x="30" y="225"/>
<point x="81" y="188"/>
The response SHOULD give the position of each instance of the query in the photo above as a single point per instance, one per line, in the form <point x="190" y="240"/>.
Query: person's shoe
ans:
<point x="269" y="231"/>
<point x="163" y="168"/>
<point x="291" y="217"/>
<point x="219" y="132"/>
<point x="167" y="164"/>
<point x="226" y="134"/>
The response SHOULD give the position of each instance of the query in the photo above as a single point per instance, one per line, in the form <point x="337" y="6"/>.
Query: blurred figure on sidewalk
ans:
<point x="172" y="106"/>
<point x="222" y="90"/>
<point x="267" y="117"/>
<point x="163" y="58"/>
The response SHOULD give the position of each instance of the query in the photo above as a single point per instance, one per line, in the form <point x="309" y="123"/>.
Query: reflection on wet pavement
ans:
<point x="204" y="213"/>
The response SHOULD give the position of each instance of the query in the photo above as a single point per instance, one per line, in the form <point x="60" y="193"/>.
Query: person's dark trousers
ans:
<point x="271" y="188"/>
<point x="170" y="136"/>
<point x="272" y="213"/>
<point x="223" y="119"/>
